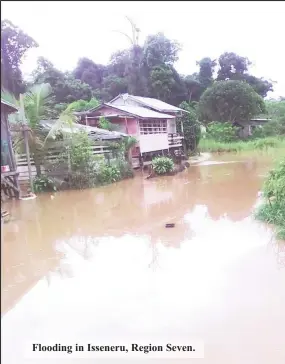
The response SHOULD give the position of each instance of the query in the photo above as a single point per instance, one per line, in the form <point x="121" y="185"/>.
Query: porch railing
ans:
<point x="175" y="140"/>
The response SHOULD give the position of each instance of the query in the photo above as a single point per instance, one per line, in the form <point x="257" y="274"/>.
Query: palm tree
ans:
<point x="134" y="38"/>
<point x="134" y="69"/>
<point x="29" y="135"/>
<point x="25" y="125"/>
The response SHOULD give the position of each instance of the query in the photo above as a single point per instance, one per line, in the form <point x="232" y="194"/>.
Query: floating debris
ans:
<point x="169" y="225"/>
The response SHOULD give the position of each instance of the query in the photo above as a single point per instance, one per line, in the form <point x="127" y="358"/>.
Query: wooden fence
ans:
<point x="51" y="155"/>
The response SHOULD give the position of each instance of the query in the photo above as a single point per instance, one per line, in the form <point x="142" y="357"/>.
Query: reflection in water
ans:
<point x="104" y="257"/>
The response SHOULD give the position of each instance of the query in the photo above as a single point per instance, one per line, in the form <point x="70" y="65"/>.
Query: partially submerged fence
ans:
<point x="51" y="155"/>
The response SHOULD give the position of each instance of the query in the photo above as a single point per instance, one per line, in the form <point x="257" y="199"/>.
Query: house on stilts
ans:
<point x="152" y="122"/>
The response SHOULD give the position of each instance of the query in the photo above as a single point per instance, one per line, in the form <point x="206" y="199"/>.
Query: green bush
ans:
<point x="108" y="174"/>
<point x="265" y="143"/>
<point x="271" y="128"/>
<point x="222" y="132"/>
<point x="273" y="210"/>
<point x="125" y="168"/>
<point x="162" y="165"/>
<point x="191" y="126"/>
<point x="43" y="184"/>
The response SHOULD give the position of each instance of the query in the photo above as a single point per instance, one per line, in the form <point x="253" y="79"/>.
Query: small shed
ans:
<point x="247" y="127"/>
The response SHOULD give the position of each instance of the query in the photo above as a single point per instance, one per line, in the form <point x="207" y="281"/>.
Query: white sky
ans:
<point x="66" y="31"/>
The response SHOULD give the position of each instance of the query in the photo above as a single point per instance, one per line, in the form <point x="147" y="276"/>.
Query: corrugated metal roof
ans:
<point x="11" y="106"/>
<point x="141" y="112"/>
<point x="156" y="104"/>
<point x="91" y="130"/>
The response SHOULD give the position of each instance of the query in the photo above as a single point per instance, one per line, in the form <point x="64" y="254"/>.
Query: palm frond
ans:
<point x="35" y="101"/>
<point x="66" y="120"/>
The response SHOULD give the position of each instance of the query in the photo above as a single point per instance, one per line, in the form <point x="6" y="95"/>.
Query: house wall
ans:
<point x="153" y="142"/>
<point x="7" y="154"/>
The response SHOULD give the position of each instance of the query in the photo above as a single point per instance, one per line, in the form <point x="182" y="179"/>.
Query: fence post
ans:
<point x="25" y="134"/>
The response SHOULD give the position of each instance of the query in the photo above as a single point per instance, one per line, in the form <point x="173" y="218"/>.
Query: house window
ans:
<point x="153" y="127"/>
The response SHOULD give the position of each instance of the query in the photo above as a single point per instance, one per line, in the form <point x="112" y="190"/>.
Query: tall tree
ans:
<point x="193" y="87"/>
<point x="14" y="45"/>
<point x="90" y="73"/>
<point x="232" y="66"/>
<point x="235" y="67"/>
<point x="206" y="71"/>
<point x="135" y="70"/>
<point x="162" y="81"/>
<point x="65" y="88"/>
<point x="159" y="50"/>
<point x="230" y="101"/>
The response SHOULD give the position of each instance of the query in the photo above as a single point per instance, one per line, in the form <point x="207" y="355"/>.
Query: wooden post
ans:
<point x="126" y="124"/>
<point x="27" y="148"/>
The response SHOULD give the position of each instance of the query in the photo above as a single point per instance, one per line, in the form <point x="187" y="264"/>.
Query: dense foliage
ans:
<point x="222" y="132"/>
<point x="145" y="70"/>
<point x="162" y="165"/>
<point x="273" y="210"/>
<point x="191" y="126"/>
<point x="14" y="45"/>
<point x="230" y="101"/>
<point x="44" y="184"/>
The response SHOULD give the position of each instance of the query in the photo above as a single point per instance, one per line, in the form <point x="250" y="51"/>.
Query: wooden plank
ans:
<point x="10" y="184"/>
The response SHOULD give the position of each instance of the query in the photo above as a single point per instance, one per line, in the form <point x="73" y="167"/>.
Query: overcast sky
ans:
<point x="66" y="31"/>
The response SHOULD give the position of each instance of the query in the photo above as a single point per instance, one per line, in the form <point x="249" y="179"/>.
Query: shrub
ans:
<point x="230" y="100"/>
<point x="222" y="132"/>
<point x="125" y="168"/>
<point x="108" y="174"/>
<point x="43" y="184"/>
<point x="265" y="143"/>
<point x="162" y="165"/>
<point x="191" y="127"/>
<point x="273" y="210"/>
<point x="106" y="124"/>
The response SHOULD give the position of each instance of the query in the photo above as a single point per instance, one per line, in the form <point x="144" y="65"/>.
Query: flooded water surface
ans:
<point x="99" y="263"/>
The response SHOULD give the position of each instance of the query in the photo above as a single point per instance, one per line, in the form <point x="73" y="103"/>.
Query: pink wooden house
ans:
<point x="152" y="122"/>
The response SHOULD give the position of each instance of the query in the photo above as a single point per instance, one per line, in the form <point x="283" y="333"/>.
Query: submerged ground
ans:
<point x="97" y="263"/>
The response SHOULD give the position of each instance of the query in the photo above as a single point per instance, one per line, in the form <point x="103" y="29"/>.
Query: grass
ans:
<point x="272" y="210"/>
<point x="212" y="146"/>
<point x="273" y="214"/>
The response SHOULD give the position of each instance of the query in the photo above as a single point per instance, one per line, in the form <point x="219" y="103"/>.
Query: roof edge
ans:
<point x="11" y="106"/>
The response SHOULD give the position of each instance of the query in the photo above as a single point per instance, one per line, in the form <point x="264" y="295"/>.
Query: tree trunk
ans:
<point x="190" y="97"/>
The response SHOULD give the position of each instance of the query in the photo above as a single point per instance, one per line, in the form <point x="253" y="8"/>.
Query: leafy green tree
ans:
<point x="33" y="107"/>
<point x="232" y="66"/>
<point x="65" y="88"/>
<point x="45" y="72"/>
<point x="159" y="50"/>
<point x="90" y="73"/>
<point x="191" y="127"/>
<point x="230" y="101"/>
<point x="235" y="67"/>
<point x="206" y="71"/>
<point x="14" y="45"/>
<point x="83" y="105"/>
<point x="222" y="132"/>
<point x="114" y="85"/>
<point x="135" y="70"/>
<point x="275" y="109"/>
<point x="161" y="79"/>
<point x="193" y="87"/>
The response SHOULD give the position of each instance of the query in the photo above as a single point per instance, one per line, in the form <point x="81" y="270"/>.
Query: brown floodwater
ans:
<point x="81" y="265"/>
